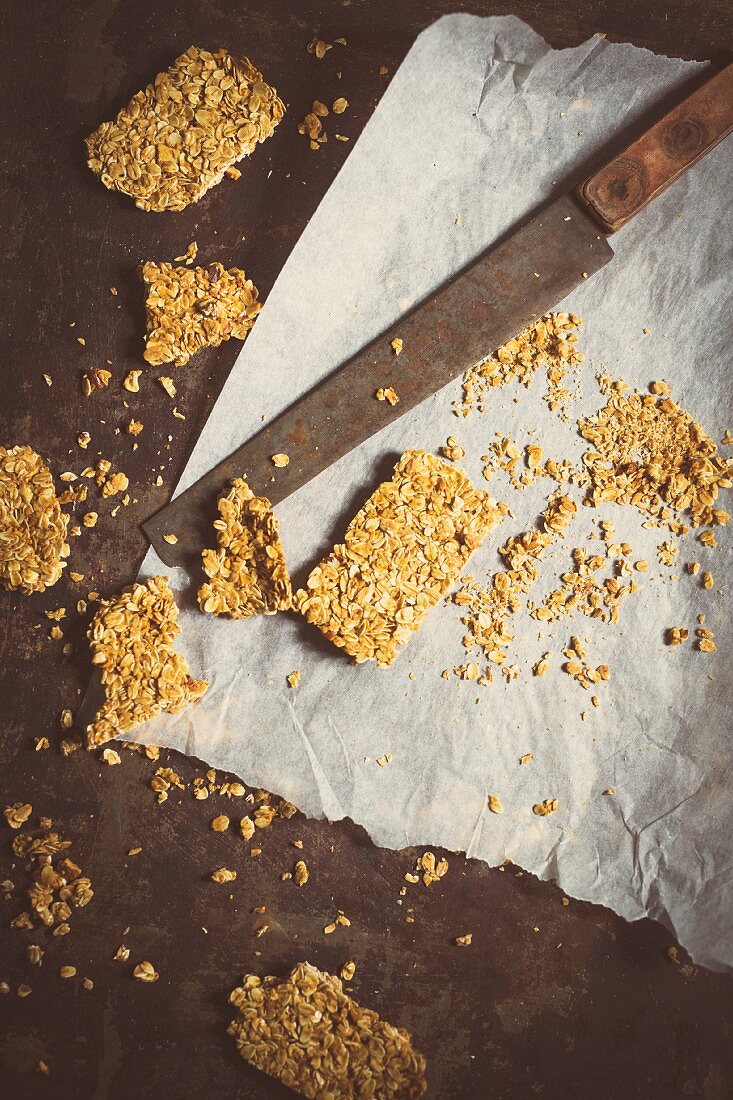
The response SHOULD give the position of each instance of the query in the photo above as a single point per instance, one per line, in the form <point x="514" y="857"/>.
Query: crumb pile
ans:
<point x="549" y="344"/>
<point x="652" y="454"/>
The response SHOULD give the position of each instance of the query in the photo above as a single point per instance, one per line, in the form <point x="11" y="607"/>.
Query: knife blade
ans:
<point x="510" y="285"/>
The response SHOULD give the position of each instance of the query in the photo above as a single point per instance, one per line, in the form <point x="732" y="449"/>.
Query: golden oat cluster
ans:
<point x="178" y="138"/>
<point x="32" y="525"/>
<point x="652" y="454"/>
<point x="189" y="308"/>
<point x="402" y="551"/>
<point x="131" y="638"/>
<point x="56" y="888"/>
<point x="549" y="343"/>
<point x="248" y="574"/>
<point x="305" y="1031"/>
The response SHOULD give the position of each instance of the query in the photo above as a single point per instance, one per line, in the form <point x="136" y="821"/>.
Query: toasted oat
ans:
<point x="248" y="574"/>
<point x="387" y="393"/>
<point x="145" y="972"/>
<point x="17" y="814"/>
<point x="223" y="874"/>
<point x="495" y="804"/>
<point x="131" y="639"/>
<point x="547" y="806"/>
<point x="32" y="526"/>
<point x="281" y="460"/>
<point x="177" y="138"/>
<point x="189" y="308"/>
<point x="305" y="1031"/>
<point x="400" y="554"/>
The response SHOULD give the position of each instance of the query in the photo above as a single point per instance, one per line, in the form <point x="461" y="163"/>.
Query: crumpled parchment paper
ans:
<point x="481" y="123"/>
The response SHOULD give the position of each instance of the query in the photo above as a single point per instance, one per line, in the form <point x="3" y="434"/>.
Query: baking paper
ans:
<point x="482" y="122"/>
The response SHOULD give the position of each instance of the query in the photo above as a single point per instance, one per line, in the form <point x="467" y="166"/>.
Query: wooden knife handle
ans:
<point x="646" y="167"/>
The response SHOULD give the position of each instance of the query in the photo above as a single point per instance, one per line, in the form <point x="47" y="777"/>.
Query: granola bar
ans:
<point x="400" y="554"/>
<point x="305" y="1031"/>
<point x="176" y="139"/>
<point x="189" y="308"/>
<point x="32" y="525"/>
<point x="131" y="638"/>
<point x="248" y="574"/>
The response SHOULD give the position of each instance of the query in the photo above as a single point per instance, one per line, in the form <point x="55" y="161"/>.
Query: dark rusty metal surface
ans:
<point x="486" y="304"/>
<point x="624" y="186"/>
<point x="550" y="1000"/>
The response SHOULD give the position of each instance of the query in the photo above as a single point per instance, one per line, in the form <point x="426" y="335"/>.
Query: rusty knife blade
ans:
<point x="484" y="305"/>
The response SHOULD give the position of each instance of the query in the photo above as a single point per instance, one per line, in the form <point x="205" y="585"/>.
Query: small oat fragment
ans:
<point x="67" y="972"/>
<point x="111" y="757"/>
<point x="248" y="574"/>
<point x="547" y="806"/>
<point x="223" y="874"/>
<point x="397" y="345"/>
<point x="83" y="439"/>
<point x="464" y="941"/>
<point x="676" y="635"/>
<point x="122" y="954"/>
<point x="33" y="527"/>
<point x="220" y="824"/>
<point x="170" y="538"/>
<point x="177" y="138"/>
<point x="280" y="460"/>
<point x="131" y="638"/>
<point x="387" y="393"/>
<point x="294" y="678"/>
<point x="706" y="645"/>
<point x="131" y="381"/>
<point x="247" y="828"/>
<point x="609" y="791"/>
<point x="145" y="972"/>
<point x="495" y="804"/>
<point x="134" y="427"/>
<point x="436" y="519"/>
<point x="168" y="384"/>
<point x="301" y="874"/>
<point x="707" y="580"/>
<point x="356" y="1053"/>
<point x="189" y="308"/>
<point x="233" y="173"/>
<point x="339" y="105"/>
<point x="526" y="758"/>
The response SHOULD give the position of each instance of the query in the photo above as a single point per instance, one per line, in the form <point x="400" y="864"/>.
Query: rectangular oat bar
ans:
<point x="402" y="551"/>
<point x="305" y="1031"/>
<point x="177" y="138"/>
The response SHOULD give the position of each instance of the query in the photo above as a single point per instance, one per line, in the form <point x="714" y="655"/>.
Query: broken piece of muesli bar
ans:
<point x="248" y="574"/>
<point x="400" y="554"/>
<point x="189" y="308"/>
<point x="305" y="1031"/>
<point x="178" y="137"/>
<point x="32" y="526"/>
<point x="131" y="638"/>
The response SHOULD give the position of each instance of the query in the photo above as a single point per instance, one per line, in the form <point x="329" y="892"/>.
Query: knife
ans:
<point x="510" y="285"/>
